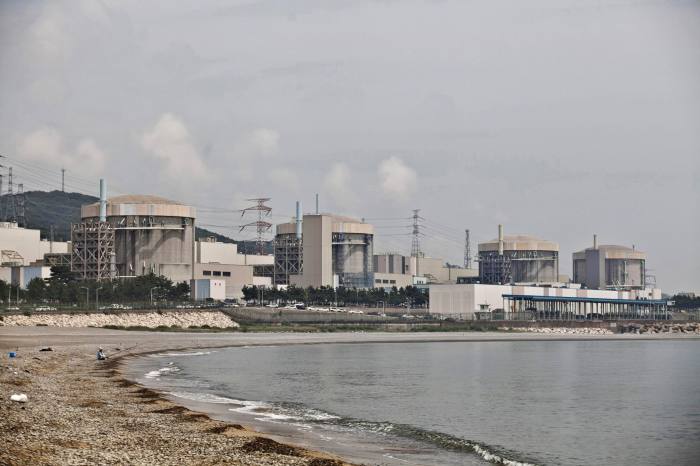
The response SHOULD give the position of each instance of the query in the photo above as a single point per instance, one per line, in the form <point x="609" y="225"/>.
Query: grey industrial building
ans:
<point x="518" y="259"/>
<point x="610" y="267"/>
<point x="332" y="250"/>
<point x="140" y="234"/>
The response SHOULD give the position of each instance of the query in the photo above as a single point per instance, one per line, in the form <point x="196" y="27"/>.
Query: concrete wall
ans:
<point x="317" y="254"/>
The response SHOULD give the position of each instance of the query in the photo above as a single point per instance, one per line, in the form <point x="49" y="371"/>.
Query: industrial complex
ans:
<point x="518" y="276"/>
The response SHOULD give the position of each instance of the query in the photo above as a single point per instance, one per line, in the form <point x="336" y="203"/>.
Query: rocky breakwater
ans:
<point x="663" y="327"/>
<point x="560" y="330"/>
<point x="182" y="319"/>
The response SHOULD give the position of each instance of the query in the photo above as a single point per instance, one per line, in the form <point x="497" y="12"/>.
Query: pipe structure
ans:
<point x="316" y="203"/>
<point x="298" y="231"/>
<point x="595" y="241"/>
<point x="500" y="240"/>
<point x="103" y="200"/>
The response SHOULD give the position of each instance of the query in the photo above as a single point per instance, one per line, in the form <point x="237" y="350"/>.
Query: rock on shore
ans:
<point x="183" y="319"/>
<point x="562" y="330"/>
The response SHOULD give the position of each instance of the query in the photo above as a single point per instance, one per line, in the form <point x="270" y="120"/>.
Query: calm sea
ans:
<point x="531" y="402"/>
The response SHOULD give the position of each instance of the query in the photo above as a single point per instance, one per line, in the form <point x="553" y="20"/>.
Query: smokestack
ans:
<point x="595" y="241"/>
<point x="316" y="203"/>
<point x="103" y="200"/>
<point x="298" y="220"/>
<point x="500" y="240"/>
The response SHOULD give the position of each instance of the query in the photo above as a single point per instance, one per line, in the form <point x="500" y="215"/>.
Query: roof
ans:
<point x="520" y="243"/>
<point x="139" y="199"/>
<point x="642" y="302"/>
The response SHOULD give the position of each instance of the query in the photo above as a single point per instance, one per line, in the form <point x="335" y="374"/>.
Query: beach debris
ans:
<point x="48" y="348"/>
<point x="19" y="398"/>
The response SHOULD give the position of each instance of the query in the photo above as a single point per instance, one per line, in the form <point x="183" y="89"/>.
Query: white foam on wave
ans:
<point x="170" y="368"/>
<point x="494" y="458"/>
<point x="205" y="397"/>
<point x="194" y="353"/>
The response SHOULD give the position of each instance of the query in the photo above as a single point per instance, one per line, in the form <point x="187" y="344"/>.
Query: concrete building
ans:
<point x="390" y="280"/>
<point x="221" y="261"/>
<point x="394" y="264"/>
<point x="24" y="246"/>
<point x="609" y="267"/>
<point x="151" y="235"/>
<point x="518" y="259"/>
<point x="432" y="269"/>
<point x="336" y="251"/>
<point x="203" y="289"/>
<point x="475" y="301"/>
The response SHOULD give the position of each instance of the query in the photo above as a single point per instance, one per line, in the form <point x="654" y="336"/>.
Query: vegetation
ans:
<point x="686" y="302"/>
<point x="327" y="295"/>
<point x="64" y="288"/>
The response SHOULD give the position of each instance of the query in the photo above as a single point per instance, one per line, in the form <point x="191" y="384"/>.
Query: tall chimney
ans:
<point x="103" y="200"/>
<point x="316" y="203"/>
<point x="595" y="241"/>
<point x="298" y="220"/>
<point x="500" y="240"/>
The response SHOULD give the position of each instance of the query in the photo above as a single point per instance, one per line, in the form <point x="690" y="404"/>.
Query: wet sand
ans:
<point x="83" y="411"/>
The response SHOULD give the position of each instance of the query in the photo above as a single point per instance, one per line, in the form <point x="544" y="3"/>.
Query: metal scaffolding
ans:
<point x="92" y="255"/>
<point x="288" y="258"/>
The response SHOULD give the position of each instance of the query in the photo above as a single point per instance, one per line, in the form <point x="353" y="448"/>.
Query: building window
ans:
<point x="377" y="280"/>
<point x="227" y="274"/>
<point x="217" y="273"/>
<point x="206" y="273"/>
<point x="392" y="281"/>
<point x="385" y="281"/>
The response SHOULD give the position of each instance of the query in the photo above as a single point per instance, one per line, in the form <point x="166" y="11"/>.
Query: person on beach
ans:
<point x="100" y="354"/>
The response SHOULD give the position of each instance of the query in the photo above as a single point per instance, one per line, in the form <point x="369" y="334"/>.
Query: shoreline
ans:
<point x="123" y="421"/>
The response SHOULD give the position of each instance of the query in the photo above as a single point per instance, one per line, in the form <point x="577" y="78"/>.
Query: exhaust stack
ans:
<point x="316" y="203"/>
<point x="500" y="240"/>
<point x="103" y="200"/>
<point x="595" y="241"/>
<point x="299" y="220"/>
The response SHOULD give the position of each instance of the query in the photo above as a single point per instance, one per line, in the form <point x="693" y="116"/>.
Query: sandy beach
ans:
<point x="81" y="411"/>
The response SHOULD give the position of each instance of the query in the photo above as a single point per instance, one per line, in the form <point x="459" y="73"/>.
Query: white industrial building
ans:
<point x="474" y="301"/>
<point x="24" y="246"/>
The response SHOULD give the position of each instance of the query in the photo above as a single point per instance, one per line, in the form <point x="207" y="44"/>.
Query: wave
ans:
<point x="170" y="368"/>
<point x="295" y="413"/>
<point x="194" y="353"/>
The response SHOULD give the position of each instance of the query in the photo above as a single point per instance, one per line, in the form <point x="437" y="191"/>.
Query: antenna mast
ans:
<point x="467" y="251"/>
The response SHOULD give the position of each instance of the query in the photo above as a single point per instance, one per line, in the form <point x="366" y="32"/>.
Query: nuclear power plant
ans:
<point x="518" y="259"/>
<point x="610" y="267"/>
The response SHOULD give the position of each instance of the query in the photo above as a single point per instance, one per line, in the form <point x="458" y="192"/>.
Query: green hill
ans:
<point x="44" y="209"/>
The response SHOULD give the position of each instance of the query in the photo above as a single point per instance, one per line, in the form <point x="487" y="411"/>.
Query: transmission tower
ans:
<point x="467" y="251"/>
<point x="415" y="242"/>
<point x="261" y="226"/>
<point x="19" y="206"/>
<point x="11" y="215"/>
<point x="63" y="180"/>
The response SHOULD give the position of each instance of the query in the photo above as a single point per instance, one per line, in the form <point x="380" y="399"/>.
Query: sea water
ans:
<point x="527" y="402"/>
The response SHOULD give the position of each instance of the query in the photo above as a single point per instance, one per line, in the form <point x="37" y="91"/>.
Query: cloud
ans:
<point x="264" y="141"/>
<point x="397" y="179"/>
<point x="336" y="185"/>
<point x="285" y="178"/>
<point x="170" y="141"/>
<point x="46" y="145"/>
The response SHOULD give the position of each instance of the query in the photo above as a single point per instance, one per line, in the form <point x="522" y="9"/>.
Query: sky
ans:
<point x="556" y="118"/>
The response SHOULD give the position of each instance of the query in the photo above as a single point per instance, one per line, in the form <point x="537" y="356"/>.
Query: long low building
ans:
<point x="480" y="301"/>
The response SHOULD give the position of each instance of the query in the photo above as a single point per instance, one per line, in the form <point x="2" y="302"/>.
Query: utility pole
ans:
<point x="63" y="180"/>
<point x="87" y="296"/>
<point x="261" y="226"/>
<point x="97" y="298"/>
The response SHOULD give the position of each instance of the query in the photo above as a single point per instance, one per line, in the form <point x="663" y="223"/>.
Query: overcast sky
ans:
<point x="557" y="118"/>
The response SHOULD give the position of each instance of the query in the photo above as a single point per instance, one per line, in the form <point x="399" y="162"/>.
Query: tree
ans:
<point x="36" y="290"/>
